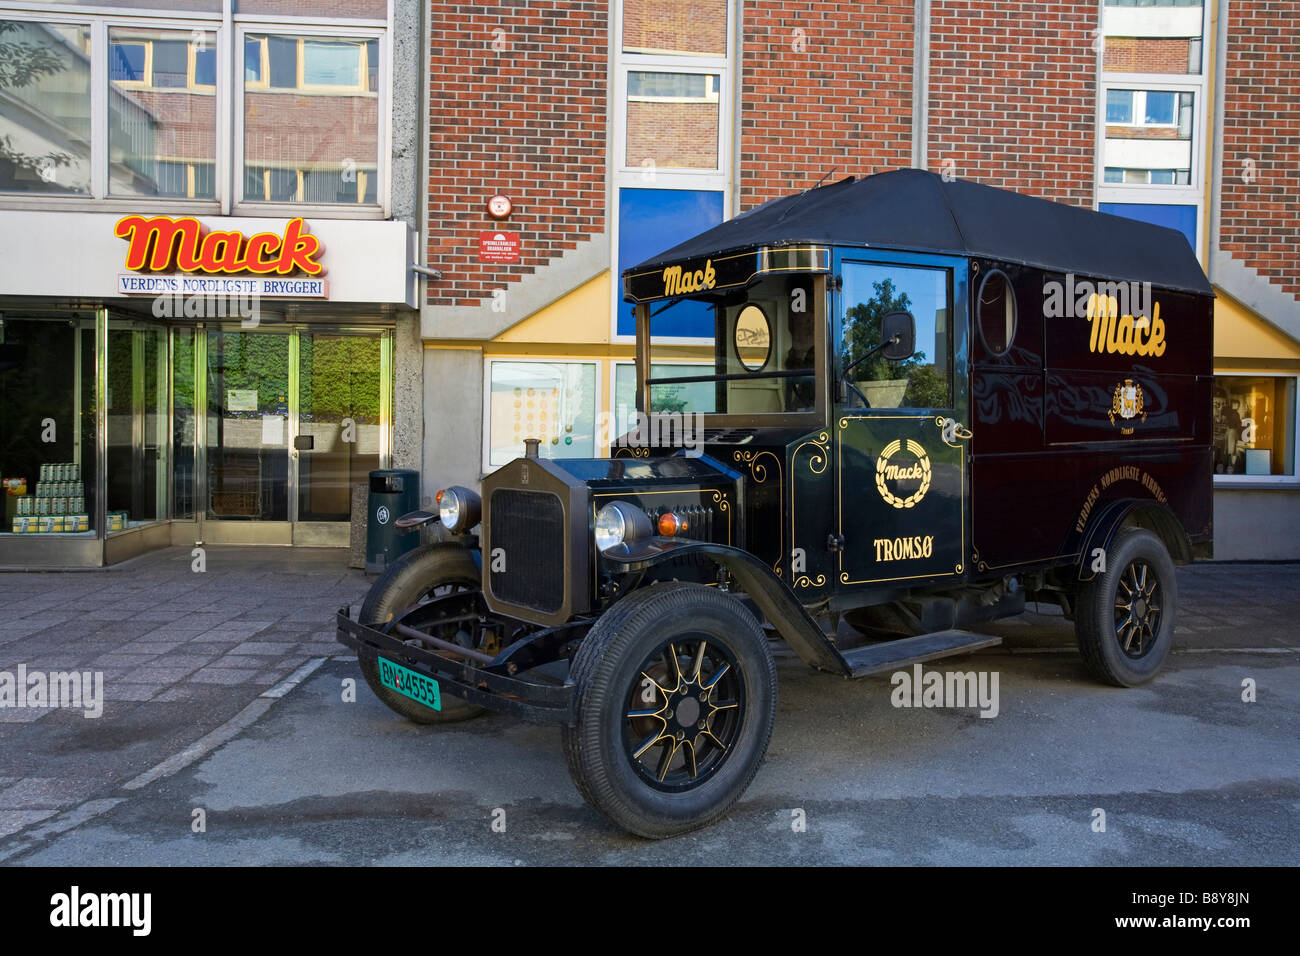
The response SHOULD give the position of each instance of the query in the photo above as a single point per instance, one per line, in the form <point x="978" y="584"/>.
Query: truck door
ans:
<point x="901" y="427"/>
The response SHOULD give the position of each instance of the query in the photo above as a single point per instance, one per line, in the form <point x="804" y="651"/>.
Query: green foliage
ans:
<point x="340" y="378"/>
<point x="927" y="386"/>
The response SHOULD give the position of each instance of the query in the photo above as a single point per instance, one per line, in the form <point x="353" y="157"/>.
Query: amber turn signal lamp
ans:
<point x="670" y="524"/>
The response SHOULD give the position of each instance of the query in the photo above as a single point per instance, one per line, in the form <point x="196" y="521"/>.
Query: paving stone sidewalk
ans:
<point x="181" y="652"/>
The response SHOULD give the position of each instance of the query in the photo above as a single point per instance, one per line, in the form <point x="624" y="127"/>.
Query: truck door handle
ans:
<point x="954" y="430"/>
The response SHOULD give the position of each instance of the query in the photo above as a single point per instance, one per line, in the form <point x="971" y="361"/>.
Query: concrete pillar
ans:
<point x="453" y="419"/>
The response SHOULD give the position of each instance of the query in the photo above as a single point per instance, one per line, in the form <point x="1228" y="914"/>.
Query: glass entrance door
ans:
<point x="135" y="400"/>
<point x="247" y="440"/>
<point x="339" y="421"/>
<point x="290" y="421"/>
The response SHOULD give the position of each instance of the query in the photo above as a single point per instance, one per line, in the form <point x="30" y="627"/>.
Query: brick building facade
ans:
<point x="619" y="128"/>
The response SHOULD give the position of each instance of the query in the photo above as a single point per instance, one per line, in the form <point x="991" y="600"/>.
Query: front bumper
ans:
<point x="486" y="685"/>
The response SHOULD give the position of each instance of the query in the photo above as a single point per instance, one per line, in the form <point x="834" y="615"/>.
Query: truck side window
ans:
<point x="872" y="289"/>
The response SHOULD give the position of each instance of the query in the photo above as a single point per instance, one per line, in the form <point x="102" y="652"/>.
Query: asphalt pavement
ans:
<point x="289" y="766"/>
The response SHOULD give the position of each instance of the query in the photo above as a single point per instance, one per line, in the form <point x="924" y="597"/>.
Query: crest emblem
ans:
<point x="1126" y="404"/>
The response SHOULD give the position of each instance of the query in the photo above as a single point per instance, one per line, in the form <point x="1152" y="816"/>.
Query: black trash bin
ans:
<point x="393" y="492"/>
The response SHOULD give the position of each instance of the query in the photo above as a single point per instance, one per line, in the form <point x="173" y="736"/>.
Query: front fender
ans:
<point x="772" y="595"/>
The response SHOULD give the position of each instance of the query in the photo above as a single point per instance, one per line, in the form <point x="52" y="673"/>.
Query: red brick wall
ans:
<point x="673" y="134"/>
<point x="1146" y="54"/>
<point x="1260" y="221"/>
<point x="823" y="85"/>
<point x="527" y="121"/>
<point x="1013" y="95"/>
<point x="287" y="128"/>
<point x="682" y="26"/>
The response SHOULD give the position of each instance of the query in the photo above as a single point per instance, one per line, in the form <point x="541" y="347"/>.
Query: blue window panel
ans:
<point x="1119" y="106"/>
<point x="1160" y="108"/>
<point x="252" y="60"/>
<point x="126" y="62"/>
<point x="205" y="65"/>
<point x="651" y="221"/>
<point x="1182" y="218"/>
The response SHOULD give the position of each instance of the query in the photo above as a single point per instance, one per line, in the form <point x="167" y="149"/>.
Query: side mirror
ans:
<point x="902" y="326"/>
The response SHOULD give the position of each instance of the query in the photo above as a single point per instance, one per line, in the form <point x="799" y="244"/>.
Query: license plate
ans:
<point x="421" y="689"/>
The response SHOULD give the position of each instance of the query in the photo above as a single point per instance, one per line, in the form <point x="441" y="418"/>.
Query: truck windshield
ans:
<point x="738" y="352"/>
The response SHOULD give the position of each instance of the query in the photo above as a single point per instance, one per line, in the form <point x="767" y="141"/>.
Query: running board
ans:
<point x="913" y="650"/>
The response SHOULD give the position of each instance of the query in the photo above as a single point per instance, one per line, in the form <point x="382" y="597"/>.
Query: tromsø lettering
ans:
<point x="904" y="549"/>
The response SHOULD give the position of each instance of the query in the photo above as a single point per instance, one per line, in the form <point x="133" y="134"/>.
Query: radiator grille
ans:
<point x="529" y="526"/>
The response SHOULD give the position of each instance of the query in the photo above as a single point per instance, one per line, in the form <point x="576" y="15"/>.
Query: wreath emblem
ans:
<point x="1127" y="402"/>
<point x="883" y="471"/>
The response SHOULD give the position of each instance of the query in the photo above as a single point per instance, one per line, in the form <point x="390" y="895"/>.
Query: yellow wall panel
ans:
<point x="1239" y="333"/>
<point x="582" y="316"/>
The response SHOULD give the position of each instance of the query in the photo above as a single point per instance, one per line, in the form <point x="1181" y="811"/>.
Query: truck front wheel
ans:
<point x="428" y="571"/>
<point x="676" y="700"/>
<point x="1124" y="622"/>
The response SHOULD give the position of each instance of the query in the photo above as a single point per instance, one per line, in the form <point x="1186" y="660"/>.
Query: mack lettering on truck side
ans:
<point x="1123" y="334"/>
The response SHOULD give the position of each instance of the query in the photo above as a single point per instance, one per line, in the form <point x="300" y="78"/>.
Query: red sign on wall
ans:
<point x="498" y="247"/>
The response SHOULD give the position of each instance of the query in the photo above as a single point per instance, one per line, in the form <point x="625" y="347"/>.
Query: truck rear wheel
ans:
<point x="676" y="701"/>
<point x="428" y="571"/>
<point x="1124" y="622"/>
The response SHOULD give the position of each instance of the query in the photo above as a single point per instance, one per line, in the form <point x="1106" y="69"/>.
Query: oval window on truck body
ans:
<point x="996" y="312"/>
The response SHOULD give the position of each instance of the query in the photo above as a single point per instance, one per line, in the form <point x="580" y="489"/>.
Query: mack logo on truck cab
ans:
<point x="677" y="282"/>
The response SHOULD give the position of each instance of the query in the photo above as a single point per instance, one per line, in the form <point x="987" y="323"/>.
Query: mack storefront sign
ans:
<point x="219" y="262"/>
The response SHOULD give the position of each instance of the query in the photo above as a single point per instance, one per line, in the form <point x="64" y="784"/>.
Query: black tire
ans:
<point x="610" y="671"/>
<point x="430" y="568"/>
<point x="1125" y="619"/>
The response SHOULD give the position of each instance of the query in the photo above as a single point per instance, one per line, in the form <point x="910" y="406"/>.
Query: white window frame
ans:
<point x="489" y="360"/>
<point x="624" y="176"/>
<point x="1193" y="192"/>
<point x="1252" y="481"/>
<point x="1140" y="96"/>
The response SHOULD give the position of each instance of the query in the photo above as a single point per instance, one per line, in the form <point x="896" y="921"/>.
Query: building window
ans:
<point x="310" y="64"/>
<point x="672" y="138"/>
<point x="1152" y="109"/>
<point x="181" y="60"/>
<point x="309" y="122"/>
<point x="45" y="78"/>
<point x="162" y="126"/>
<point x="311" y="119"/>
<point x="1254" y="425"/>
<point x="555" y="402"/>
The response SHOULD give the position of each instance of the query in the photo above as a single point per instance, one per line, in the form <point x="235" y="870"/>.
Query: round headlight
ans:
<point x="621" y="523"/>
<point x="610" y="527"/>
<point x="459" y="508"/>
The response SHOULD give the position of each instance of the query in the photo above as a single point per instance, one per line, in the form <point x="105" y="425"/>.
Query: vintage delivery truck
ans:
<point x="904" y="407"/>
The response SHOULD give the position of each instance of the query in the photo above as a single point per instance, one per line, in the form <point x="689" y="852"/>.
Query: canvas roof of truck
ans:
<point x="916" y="210"/>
